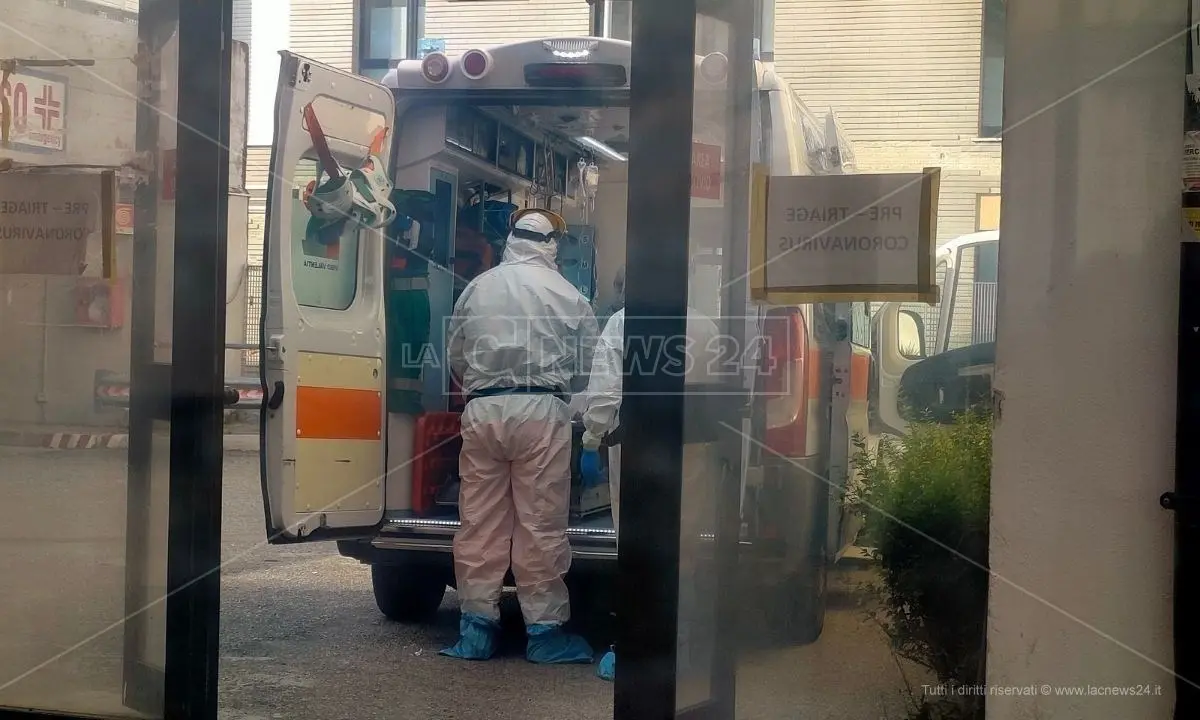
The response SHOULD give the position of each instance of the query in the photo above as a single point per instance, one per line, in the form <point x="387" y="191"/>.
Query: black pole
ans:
<point x="596" y="11"/>
<point x="735" y="295"/>
<point x="149" y="383"/>
<point x="660" y="156"/>
<point x="1186" y="498"/>
<point x="198" y="360"/>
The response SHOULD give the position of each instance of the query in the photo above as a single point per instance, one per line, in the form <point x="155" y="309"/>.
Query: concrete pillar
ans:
<point x="1082" y="553"/>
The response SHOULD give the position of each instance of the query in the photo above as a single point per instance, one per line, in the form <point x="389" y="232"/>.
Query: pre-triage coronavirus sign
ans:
<point x="846" y="238"/>
<point x="46" y="220"/>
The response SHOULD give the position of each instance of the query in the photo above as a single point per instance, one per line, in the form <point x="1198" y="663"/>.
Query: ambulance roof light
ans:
<point x="435" y="68"/>
<point x="476" y="63"/>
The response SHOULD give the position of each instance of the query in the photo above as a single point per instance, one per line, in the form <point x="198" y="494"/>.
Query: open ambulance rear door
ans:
<point x="322" y="334"/>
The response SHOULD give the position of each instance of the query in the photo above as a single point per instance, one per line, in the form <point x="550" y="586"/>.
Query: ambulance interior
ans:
<point x="459" y="171"/>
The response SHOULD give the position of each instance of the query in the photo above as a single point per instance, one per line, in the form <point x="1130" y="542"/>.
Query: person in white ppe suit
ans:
<point x="520" y="335"/>
<point x="601" y="421"/>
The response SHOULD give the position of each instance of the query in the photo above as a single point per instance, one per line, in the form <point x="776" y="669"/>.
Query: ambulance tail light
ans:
<point x="784" y="381"/>
<point x="435" y="68"/>
<point x="476" y="63"/>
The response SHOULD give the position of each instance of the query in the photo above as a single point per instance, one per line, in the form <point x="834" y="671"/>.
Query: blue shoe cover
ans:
<point x="477" y="638"/>
<point x="608" y="667"/>
<point x="550" y="644"/>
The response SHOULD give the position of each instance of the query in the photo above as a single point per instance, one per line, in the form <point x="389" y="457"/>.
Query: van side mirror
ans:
<point x="910" y="331"/>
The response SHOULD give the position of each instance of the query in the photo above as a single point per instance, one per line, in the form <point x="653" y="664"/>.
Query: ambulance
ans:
<point x="385" y="199"/>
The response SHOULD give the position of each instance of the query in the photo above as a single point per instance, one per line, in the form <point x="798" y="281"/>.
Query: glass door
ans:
<point x="113" y="274"/>
<point x="686" y="410"/>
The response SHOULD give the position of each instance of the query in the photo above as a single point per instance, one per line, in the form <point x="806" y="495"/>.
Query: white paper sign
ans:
<point x="46" y="221"/>
<point x="849" y="237"/>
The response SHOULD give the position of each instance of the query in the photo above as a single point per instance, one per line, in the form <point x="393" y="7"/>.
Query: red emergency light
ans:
<point x="476" y="63"/>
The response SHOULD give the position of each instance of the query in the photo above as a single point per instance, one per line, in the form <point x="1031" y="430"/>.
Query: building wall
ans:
<point x="258" y="162"/>
<point x="323" y="30"/>
<point x="1084" y="441"/>
<point x="48" y="368"/>
<point x="904" y="78"/>
<point x="242" y="22"/>
<point x="97" y="109"/>
<point x="465" y="24"/>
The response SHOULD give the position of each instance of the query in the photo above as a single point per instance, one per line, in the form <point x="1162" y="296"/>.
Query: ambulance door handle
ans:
<point x="276" y="397"/>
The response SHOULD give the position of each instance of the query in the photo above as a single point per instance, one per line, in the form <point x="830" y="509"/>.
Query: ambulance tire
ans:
<point x="781" y="610"/>
<point x="799" y="605"/>
<point x="408" y="593"/>
<point x="592" y="604"/>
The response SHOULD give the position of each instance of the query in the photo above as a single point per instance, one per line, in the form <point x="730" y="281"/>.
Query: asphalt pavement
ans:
<point x="300" y="634"/>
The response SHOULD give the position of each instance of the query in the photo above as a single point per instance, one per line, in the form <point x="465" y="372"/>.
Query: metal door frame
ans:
<point x="657" y="260"/>
<point x="189" y="392"/>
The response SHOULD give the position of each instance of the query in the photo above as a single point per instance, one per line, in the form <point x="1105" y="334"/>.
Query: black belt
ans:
<point x="518" y="390"/>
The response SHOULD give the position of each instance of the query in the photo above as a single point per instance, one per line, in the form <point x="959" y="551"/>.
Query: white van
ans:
<point x="935" y="362"/>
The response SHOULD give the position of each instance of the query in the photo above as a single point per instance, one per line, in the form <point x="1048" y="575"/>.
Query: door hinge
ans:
<point x="1179" y="503"/>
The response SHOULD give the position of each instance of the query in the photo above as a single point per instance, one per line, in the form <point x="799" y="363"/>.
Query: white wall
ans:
<point x="269" y="35"/>
<point x="100" y="106"/>
<point x="465" y="24"/>
<point x="610" y="218"/>
<point x="1084" y="439"/>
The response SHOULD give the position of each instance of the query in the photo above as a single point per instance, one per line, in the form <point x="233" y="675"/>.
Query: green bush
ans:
<point x="924" y="499"/>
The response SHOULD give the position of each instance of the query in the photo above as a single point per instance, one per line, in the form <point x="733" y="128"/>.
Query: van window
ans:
<point x="860" y="324"/>
<point x="825" y="323"/>
<point x="930" y="314"/>
<point x="324" y="256"/>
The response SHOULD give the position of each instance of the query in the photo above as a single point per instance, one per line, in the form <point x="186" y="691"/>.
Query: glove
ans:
<point x="589" y="468"/>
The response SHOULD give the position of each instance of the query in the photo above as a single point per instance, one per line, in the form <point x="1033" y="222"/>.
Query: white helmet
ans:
<point x="537" y="224"/>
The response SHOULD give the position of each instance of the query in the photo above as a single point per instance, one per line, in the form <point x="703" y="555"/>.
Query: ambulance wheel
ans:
<point x="592" y="595"/>
<point x="408" y="593"/>
<point x="799" y="605"/>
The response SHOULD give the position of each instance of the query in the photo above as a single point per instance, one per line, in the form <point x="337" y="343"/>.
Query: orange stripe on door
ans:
<point x="338" y="414"/>
<point x="860" y="372"/>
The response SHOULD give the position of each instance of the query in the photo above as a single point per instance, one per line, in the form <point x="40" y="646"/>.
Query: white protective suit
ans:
<point x="700" y="474"/>
<point x="518" y="325"/>
<point x="604" y="405"/>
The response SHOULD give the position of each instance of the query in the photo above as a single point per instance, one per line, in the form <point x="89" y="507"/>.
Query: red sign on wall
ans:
<point x="124" y="219"/>
<point x="38" y="104"/>
<point x="168" y="174"/>
<point x="706" y="171"/>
